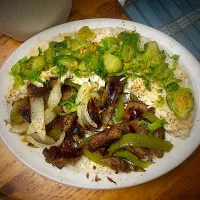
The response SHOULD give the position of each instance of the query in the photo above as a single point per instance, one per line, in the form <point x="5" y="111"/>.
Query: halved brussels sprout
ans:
<point x="181" y="102"/>
<point x="85" y="33"/>
<point x="153" y="54"/>
<point x="112" y="63"/>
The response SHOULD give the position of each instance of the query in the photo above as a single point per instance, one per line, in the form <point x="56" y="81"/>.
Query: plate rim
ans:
<point x="83" y="22"/>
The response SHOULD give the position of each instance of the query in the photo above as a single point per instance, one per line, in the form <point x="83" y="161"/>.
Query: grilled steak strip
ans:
<point x="68" y="152"/>
<point x="112" y="91"/>
<point x="25" y="111"/>
<point x="93" y="110"/>
<point x="102" y="139"/>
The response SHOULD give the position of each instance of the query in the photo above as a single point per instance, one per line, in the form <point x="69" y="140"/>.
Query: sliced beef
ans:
<point x="56" y="121"/>
<point x="112" y="91"/>
<point x="140" y="152"/>
<point x="117" y="164"/>
<point x="25" y="111"/>
<point x="94" y="110"/>
<point x="135" y="127"/>
<point x="67" y="92"/>
<point x="69" y="151"/>
<point x="69" y="146"/>
<point x="102" y="139"/>
<point x="159" y="133"/>
<point x="123" y="127"/>
<point x="134" y="110"/>
<point x="34" y="91"/>
<point x="68" y="121"/>
<point x="64" y="121"/>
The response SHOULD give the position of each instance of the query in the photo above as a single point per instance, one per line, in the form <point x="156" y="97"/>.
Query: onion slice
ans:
<point x="86" y="113"/>
<point x="37" y="115"/>
<point x="31" y="129"/>
<point x="49" y="115"/>
<point x="19" y="129"/>
<point x="55" y="95"/>
<point x="85" y="93"/>
<point x="47" y="142"/>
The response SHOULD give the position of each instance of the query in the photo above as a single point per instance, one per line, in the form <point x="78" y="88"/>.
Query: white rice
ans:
<point x="136" y="86"/>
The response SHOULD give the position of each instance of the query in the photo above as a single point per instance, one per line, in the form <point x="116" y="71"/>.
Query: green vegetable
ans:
<point x="33" y="64"/>
<point x="108" y="42"/>
<point x="152" y="53"/>
<point x="154" y="126"/>
<point x="134" y="98"/>
<point x="93" y="156"/>
<point x="175" y="57"/>
<point x="171" y="87"/>
<point x="61" y="70"/>
<point x="119" y="110"/>
<point x="132" y="158"/>
<point x="160" y="102"/>
<point x="157" y="124"/>
<point x="40" y="53"/>
<point x="181" y="102"/>
<point x="90" y="62"/>
<point x="55" y="133"/>
<point x="49" y="54"/>
<point x="150" y="116"/>
<point x="140" y="140"/>
<point x="100" y="70"/>
<point x="163" y="75"/>
<point x="113" y="49"/>
<point x="15" y="117"/>
<point x="112" y="63"/>
<point x="69" y="105"/>
<point x="68" y="61"/>
<point x="70" y="83"/>
<point x="77" y="44"/>
<point x="131" y="38"/>
<point x="27" y="69"/>
<point x="87" y="139"/>
<point x="85" y="33"/>
<point x="127" y="52"/>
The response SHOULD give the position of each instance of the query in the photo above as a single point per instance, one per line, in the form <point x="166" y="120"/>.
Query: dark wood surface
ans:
<point x="19" y="182"/>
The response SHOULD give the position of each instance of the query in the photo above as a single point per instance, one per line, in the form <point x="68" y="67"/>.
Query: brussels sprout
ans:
<point x="127" y="52"/>
<point x="131" y="38"/>
<point x="34" y="64"/>
<point x="163" y="75"/>
<point x="112" y="63"/>
<point x="172" y="86"/>
<point x="100" y="70"/>
<point x="67" y="61"/>
<point x="85" y="33"/>
<point x="109" y="41"/>
<point x="113" y="49"/>
<point x="181" y="102"/>
<point x="49" y="55"/>
<point x="78" y="44"/>
<point x="153" y="54"/>
<point x="160" y="101"/>
<point x="91" y="61"/>
<point x="16" y="72"/>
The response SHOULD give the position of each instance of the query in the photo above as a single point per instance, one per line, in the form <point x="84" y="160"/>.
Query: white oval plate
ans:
<point x="34" y="159"/>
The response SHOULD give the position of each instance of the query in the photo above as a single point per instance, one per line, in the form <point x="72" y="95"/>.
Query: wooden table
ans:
<point x="19" y="182"/>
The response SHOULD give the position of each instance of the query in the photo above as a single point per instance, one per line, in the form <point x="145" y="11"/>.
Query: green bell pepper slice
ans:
<point x="140" y="140"/>
<point x="119" y="111"/>
<point x="70" y="83"/>
<point x="93" y="156"/>
<point x="132" y="158"/>
<point x="150" y="116"/>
